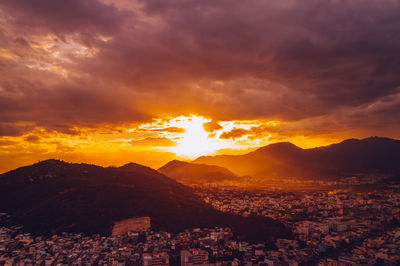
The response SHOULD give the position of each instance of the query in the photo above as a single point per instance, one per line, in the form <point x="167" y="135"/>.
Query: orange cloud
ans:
<point x="172" y="130"/>
<point x="212" y="126"/>
<point x="234" y="133"/>
<point x="153" y="142"/>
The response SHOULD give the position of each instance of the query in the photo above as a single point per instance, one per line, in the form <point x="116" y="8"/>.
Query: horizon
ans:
<point x="182" y="159"/>
<point x="114" y="81"/>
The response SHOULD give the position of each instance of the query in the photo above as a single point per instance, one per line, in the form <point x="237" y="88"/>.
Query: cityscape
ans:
<point x="330" y="228"/>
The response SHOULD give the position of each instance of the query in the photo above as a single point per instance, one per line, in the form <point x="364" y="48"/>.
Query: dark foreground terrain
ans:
<point x="54" y="196"/>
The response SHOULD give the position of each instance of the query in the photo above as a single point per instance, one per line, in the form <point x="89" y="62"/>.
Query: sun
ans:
<point x="195" y="141"/>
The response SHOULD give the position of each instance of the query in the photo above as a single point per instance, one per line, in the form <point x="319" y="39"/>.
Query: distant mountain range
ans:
<point x="350" y="157"/>
<point x="54" y="196"/>
<point x="195" y="174"/>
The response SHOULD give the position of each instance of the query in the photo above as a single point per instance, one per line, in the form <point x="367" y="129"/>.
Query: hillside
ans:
<point x="55" y="196"/>
<point x="194" y="174"/>
<point x="352" y="156"/>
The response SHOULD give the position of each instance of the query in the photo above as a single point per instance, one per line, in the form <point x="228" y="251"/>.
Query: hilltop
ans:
<point x="54" y="196"/>
<point x="194" y="174"/>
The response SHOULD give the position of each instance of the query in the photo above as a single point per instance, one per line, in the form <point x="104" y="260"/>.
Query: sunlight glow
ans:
<point x="153" y="144"/>
<point x="195" y="140"/>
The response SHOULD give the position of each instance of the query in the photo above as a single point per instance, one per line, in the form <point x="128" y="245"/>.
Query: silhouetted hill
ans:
<point x="138" y="169"/>
<point x="55" y="196"/>
<point x="190" y="173"/>
<point x="352" y="156"/>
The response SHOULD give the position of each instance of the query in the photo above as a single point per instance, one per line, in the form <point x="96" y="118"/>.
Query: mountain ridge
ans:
<point x="351" y="156"/>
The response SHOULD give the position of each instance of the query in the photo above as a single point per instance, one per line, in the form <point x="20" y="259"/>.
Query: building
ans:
<point x="194" y="257"/>
<point x="155" y="259"/>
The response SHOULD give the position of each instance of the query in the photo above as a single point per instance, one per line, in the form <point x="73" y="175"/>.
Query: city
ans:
<point x="330" y="228"/>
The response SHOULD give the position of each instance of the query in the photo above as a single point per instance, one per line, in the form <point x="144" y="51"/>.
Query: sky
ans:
<point x="114" y="81"/>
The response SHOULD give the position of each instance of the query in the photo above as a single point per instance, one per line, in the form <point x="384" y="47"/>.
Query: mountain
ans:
<point x="352" y="156"/>
<point x="54" y="196"/>
<point x="195" y="174"/>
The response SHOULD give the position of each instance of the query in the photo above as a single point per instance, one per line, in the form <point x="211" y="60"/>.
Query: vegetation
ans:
<point x="53" y="196"/>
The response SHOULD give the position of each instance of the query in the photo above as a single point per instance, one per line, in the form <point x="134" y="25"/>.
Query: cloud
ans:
<point x="171" y="130"/>
<point x="211" y="126"/>
<point x="235" y="133"/>
<point x="275" y="60"/>
<point x="153" y="142"/>
<point x="32" y="138"/>
<point x="90" y="63"/>
<point x="61" y="107"/>
<point x="60" y="17"/>
<point x="11" y="129"/>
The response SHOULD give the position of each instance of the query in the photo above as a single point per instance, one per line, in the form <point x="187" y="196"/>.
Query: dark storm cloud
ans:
<point x="81" y="16"/>
<point x="31" y="98"/>
<point x="10" y="129"/>
<point x="68" y="107"/>
<point x="288" y="60"/>
<point x="324" y="54"/>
